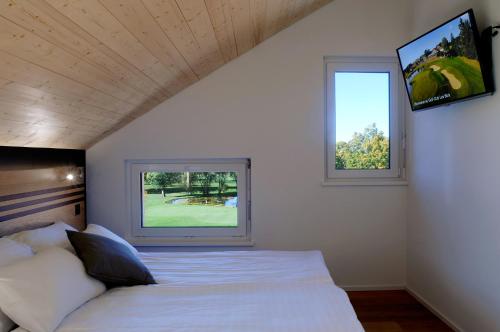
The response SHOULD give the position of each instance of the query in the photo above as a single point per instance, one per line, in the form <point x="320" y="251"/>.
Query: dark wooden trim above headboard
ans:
<point x="39" y="192"/>
<point x="17" y="158"/>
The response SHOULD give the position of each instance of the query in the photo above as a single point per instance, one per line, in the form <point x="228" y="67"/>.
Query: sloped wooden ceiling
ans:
<point x="72" y="71"/>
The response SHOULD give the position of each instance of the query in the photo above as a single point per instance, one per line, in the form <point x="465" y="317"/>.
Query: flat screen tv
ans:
<point x="444" y="65"/>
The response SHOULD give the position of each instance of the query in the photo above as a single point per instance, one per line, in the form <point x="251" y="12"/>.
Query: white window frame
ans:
<point x="239" y="235"/>
<point x="388" y="65"/>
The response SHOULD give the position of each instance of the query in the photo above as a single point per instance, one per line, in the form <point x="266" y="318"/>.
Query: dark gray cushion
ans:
<point x="109" y="261"/>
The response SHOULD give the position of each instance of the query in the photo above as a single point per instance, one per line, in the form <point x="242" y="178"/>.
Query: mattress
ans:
<point x="264" y="291"/>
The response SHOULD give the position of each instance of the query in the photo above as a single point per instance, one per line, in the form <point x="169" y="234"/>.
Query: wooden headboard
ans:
<point x="39" y="187"/>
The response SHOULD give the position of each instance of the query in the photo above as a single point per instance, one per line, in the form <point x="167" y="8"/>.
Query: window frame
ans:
<point x="355" y="64"/>
<point x="189" y="235"/>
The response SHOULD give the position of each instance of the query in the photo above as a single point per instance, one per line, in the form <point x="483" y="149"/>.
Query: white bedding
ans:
<point x="258" y="291"/>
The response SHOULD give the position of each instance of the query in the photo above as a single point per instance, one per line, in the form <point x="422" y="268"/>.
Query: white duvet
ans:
<point x="258" y="291"/>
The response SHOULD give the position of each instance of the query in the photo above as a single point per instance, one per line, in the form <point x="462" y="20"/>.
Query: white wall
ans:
<point x="268" y="105"/>
<point x="454" y="193"/>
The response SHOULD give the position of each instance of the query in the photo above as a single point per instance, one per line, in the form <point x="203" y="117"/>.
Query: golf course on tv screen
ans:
<point x="443" y="66"/>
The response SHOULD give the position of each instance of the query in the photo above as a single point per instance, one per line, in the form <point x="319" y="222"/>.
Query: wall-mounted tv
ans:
<point x="444" y="65"/>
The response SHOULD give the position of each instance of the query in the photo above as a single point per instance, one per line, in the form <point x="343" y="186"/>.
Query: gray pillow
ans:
<point x="109" y="261"/>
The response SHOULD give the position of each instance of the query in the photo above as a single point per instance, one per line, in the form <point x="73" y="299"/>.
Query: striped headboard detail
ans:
<point x="35" y="192"/>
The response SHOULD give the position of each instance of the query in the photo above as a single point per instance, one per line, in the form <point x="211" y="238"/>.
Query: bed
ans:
<point x="223" y="291"/>
<point x="256" y="291"/>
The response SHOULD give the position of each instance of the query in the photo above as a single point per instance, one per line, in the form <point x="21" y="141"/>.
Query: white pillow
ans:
<point x="37" y="293"/>
<point x="42" y="238"/>
<point x="102" y="231"/>
<point x="11" y="252"/>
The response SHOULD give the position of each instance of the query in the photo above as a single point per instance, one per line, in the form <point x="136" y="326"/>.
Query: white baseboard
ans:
<point x="371" y="287"/>
<point x="433" y="309"/>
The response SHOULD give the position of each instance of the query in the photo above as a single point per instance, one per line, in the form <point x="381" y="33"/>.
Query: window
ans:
<point x="191" y="201"/>
<point x="364" y="118"/>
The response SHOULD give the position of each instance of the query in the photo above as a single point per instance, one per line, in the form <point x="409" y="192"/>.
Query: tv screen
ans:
<point x="443" y="66"/>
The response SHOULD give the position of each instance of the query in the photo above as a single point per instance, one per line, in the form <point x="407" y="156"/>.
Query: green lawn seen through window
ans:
<point x="190" y="199"/>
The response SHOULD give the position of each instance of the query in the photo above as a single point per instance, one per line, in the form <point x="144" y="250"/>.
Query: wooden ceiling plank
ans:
<point x="59" y="122"/>
<point x="21" y="129"/>
<point x="91" y="129"/>
<point x="18" y="70"/>
<point x="220" y="16"/>
<point x="4" y="82"/>
<point x="17" y="92"/>
<point x="196" y="15"/>
<point x="47" y="23"/>
<point x="286" y="13"/>
<point x="57" y="138"/>
<point x="242" y="24"/>
<point x="29" y="109"/>
<point x="48" y="127"/>
<point x="276" y="9"/>
<point x="302" y="8"/>
<point x="34" y="118"/>
<point x="258" y="14"/>
<point x="41" y="113"/>
<point x="170" y="18"/>
<point x="29" y="47"/>
<point x="298" y="10"/>
<point x="93" y="17"/>
<point x="134" y="16"/>
<point x="14" y="101"/>
<point x="18" y="113"/>
<point x="317" y="4"/>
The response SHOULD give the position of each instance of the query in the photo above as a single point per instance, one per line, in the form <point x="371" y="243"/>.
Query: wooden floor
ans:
<point x="393" y="311"/>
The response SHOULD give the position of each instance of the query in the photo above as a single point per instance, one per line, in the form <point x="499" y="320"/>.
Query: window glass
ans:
<point x="190" y="199"/>
<point x="362" y="108"/>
